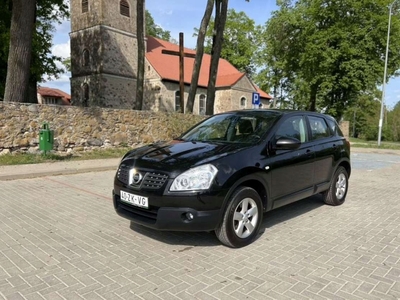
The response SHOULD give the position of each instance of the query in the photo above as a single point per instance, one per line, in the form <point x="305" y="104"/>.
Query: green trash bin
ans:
<point x="46" y="138"/>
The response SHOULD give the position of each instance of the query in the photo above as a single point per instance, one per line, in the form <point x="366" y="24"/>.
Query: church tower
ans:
<point x="103" y="53"/>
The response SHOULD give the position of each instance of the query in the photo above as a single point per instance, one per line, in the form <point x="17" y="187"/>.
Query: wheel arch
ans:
<point x="346" y="164"/>
<point x="255" y="180"/>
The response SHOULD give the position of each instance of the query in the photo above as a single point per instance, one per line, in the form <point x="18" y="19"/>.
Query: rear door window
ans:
<point x="319" y="128"/>
<point x="335" y="128"/>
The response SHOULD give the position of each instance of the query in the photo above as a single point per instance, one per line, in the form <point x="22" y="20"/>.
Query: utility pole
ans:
<point x="384" y="75"/>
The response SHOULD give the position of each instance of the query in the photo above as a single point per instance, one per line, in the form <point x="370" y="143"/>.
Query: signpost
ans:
<point x="255" y="100"/>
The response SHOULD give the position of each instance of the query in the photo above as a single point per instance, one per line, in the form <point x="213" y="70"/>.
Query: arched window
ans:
<point x="202" y="104"/>
<point x="124" y="8"/>
<point x="243" y="102"/>
<point x="177" y="101"/>
<point x="85" y="6"/>
<point x="85" y="92"/>
<point x="86" y="58"/>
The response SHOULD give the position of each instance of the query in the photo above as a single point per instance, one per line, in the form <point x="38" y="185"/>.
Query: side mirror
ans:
<point x="286" y="144"/>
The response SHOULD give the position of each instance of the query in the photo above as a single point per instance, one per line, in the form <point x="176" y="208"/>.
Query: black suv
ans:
<point x="229" y="169"/>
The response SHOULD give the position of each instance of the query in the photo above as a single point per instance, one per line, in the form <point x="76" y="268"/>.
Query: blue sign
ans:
<point x="255" y="99"/>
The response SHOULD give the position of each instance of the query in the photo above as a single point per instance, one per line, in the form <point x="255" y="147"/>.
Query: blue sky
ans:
<point x="183" y="16"/>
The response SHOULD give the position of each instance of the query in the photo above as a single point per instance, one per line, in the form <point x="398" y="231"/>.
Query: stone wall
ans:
<point x="345" y="127"/>
<point x="80" y="129"/>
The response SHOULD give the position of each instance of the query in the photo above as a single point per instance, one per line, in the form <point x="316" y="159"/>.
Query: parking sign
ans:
<point x="255" y="99"/>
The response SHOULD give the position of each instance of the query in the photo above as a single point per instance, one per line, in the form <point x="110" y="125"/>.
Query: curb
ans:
<point x="55" y="173"/>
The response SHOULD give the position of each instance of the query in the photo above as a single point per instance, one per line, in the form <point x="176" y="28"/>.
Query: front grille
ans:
<point x="123" y="174"/>
<point x="150" y="181"/>
<point x="154" y="181"/>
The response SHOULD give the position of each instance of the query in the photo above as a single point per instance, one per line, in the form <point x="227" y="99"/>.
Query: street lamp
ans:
<point x="384" y="74"/>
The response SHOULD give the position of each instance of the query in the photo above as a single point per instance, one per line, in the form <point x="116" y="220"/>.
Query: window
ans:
<point x="85" y="91"/>
<point x="335" y="128"/>
<point x="202" y="104"/>
<point x="243" y="102"/>
<point x="50" y="100"/>
<point x="85" y="6"/>
<point x="177" y="101"/>
<point x="124" y="8"/>
<point x="294" y="128"/>
<point x="86" y="58"/>
<point x="319" y="128"/>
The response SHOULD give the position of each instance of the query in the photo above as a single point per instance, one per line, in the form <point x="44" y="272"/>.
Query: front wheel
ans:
<point x="336" y="194"/>
<point x="242" y="218"/>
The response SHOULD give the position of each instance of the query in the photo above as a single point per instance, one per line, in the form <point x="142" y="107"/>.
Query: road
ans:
<point x="61" y="239"/>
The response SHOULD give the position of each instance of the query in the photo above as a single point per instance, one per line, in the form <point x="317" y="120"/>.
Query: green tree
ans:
<point x="20" y="50"/>
<point x="364" y="116"/>
<point x="336" y="47"/>
<point x="152" y="29"/>
<point x="46" y="14"/>
<point x="393" y="124"/>
<point x="5" y="22"/>
<point x="241" y="39"/>
<point x="67" y="63"/>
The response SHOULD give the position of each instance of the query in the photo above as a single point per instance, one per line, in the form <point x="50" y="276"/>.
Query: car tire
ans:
<point x="242" y="218"/>
<point x="336" y="194"/>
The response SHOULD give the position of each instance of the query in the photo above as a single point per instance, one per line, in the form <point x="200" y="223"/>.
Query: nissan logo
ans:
<point x="137" y="178"/>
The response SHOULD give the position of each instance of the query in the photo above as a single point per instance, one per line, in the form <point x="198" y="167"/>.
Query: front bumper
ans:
<point x="169" y="218"/>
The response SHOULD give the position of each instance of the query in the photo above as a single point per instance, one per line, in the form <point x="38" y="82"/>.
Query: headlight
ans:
<point x="198" y="178"/>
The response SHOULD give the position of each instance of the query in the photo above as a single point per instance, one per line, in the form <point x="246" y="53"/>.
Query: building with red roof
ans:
<point x="234" y="88"/>
<point x="48" y="95"/>
<point x="104" y="65"/>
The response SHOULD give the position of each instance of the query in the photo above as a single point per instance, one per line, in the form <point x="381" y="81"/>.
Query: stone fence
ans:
<point x="89" y="128"/>
<point x="85" y="129"/>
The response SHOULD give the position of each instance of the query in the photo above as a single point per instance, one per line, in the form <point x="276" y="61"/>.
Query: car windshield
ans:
<point x="246" y="127"/>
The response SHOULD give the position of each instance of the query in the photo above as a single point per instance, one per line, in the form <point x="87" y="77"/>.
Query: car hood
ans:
<point x="180" y="154"/>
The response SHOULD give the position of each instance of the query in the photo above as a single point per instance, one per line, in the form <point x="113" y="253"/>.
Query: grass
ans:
<point x="360" y="143"/>
<point x="28" y="158"/>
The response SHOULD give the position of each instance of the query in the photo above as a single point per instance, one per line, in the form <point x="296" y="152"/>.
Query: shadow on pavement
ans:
<point x="205" y="239"/>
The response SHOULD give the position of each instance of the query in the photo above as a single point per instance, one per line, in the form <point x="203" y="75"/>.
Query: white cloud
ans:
<point x="63" y="50"/>
<point x="63" y="27"/>
<point x="166" y="12"/>
<point x="63" y="81"/>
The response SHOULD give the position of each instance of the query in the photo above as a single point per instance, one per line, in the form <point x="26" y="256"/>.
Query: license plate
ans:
<point x="135" y="199"/>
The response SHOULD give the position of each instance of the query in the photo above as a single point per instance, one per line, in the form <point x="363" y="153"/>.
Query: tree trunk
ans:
<point x="199" y="55"/>
<point x="20" y="53"/>
<point x="221" y="10"/>
<point x="32" y="92"/>
<point x="141" y="54"/>
<point x="313" y="98"/>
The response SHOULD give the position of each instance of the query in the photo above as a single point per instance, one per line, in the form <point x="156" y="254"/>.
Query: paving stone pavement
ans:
<point x="61" y="239"/>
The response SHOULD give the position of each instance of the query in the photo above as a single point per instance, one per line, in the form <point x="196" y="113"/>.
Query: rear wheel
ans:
<point x="242" y="218"/>
<point x="336" y="194"/>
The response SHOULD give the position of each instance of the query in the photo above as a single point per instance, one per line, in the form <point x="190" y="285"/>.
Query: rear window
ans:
<point x="319" y="128"/>
<point x="335" y="128"/>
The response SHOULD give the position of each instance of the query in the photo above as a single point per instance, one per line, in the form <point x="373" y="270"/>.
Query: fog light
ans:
<point x="189" y="216"/>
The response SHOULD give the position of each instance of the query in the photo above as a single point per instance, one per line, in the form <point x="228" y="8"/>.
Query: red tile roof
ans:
<point x="262" y="93"/>
<point x="51" y="92"/>
<point x="167" y="66"/>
